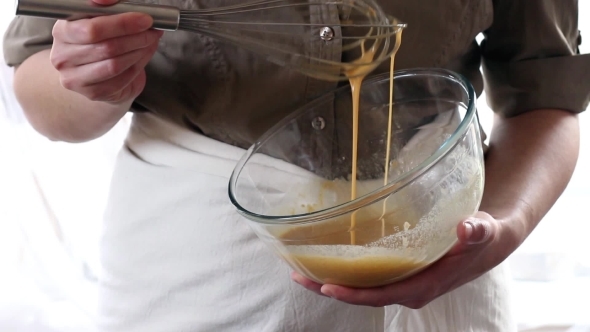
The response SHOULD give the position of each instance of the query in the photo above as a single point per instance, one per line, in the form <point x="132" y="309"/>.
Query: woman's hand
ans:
<point x="103" y="58"/>
<point x="483" y="244"/>
<point x="86" y="83"/>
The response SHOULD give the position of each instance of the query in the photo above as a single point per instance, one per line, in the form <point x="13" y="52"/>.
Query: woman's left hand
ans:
<point x="484" y="242"/>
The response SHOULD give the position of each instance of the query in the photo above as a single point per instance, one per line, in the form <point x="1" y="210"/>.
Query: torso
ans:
<point x="233" y="95"/>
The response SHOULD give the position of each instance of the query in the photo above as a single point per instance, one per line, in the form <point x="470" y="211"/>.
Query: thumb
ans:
<point x="479" y="229"/>
<point x="105" y="2"/>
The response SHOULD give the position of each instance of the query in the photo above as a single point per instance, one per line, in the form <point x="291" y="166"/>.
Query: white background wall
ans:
<point x="52" y="196"/>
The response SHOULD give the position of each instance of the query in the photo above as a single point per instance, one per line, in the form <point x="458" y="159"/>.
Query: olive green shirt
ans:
<point x="529" y="55"/>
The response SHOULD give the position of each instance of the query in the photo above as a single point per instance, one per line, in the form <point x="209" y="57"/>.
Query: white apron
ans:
<point x="177" y="257"/>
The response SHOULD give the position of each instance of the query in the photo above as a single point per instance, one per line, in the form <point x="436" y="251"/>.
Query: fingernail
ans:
<point x="326" y="291"/>
<point x="144" y="22"/>
<point x="480" y="231"/>
<point x="469" y="226"/>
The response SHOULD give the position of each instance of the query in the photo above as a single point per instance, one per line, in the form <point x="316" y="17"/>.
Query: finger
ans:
<point x="108" y="90"/>
<point x="137" y="84"/>
<point x="307" y="283"/>
<point x="111" y="90"/>
<point x="98" y="72"/>
<point x="421" y="286"/>
<point x="76" y="55"/>
<point x="375" y="297"/>
<point x="130" y="92"/>
<point x="134" y="89"/>
<point x="476" y="231"/>
<point x="94" y="30"/>
<point x="105" y="2"/>
<point x="126" y="86"/>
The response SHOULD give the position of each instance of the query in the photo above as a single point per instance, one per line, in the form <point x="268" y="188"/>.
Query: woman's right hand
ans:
<point x="103" y="58"/>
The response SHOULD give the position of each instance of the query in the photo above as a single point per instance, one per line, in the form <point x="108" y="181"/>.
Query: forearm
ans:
<point x="530" y="162"/>
<point x="56" y="112"/>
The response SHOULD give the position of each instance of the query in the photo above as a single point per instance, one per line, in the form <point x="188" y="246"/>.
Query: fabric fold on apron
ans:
<point x="176" y="255"/>
<point x="164" y="143"/>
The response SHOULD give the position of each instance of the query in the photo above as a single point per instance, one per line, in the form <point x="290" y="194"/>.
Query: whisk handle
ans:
<point x="165" y="17"/>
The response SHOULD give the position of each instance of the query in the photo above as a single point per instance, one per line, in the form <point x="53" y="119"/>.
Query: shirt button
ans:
<point x="327" y="34"/>
<point x="318" y="123"/>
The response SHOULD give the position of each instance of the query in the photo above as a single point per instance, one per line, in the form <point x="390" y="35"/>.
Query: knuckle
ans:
<point x="57" y="30"/>
<point x="112" y="67"/>
<point x="107" y="49"/>
<point x="114" y="97"/>
<point x="95" y="94"/>
<point x="56" y="60"/>
<point x="88" y="31"/>
<point x="68" y="82"/>
<point x="91" y="31"/>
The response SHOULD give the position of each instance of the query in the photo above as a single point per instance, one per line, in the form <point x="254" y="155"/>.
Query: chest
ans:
<point x="226" y="90"/>
<point x="438" y="30"/>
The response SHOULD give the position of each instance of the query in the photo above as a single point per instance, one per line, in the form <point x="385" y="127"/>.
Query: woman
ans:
<point x="175" y="255"/>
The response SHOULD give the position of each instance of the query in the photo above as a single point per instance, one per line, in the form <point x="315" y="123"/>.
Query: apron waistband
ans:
<point x="163" y="143"/>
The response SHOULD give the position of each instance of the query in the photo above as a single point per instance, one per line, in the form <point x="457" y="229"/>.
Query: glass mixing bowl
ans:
<point x="294" y="188"/>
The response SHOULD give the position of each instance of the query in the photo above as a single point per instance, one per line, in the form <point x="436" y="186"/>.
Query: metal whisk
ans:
<point x="290" y="33"/>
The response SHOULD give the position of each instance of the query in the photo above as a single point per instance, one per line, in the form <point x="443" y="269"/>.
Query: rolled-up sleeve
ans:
<point x="26" y="36"/>
<point x="531" y="58"/>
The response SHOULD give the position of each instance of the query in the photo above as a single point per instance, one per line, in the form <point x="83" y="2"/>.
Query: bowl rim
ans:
<point x="378" y="194"/>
